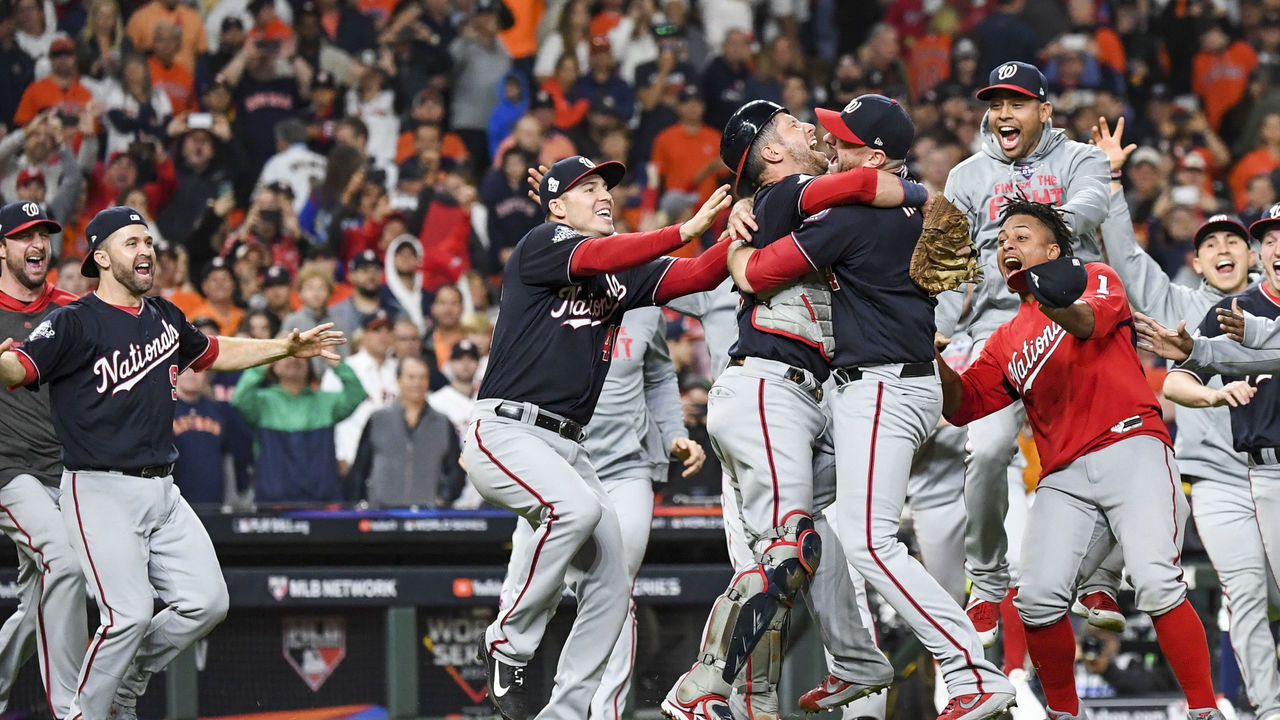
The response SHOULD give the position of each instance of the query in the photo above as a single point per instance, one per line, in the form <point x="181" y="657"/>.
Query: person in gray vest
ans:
<point x="408" y="452"/>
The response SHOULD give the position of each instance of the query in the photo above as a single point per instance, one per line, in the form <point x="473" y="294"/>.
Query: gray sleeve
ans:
<point x="68" y="192"/>
<point x="950" y="306"/>
<point x="11" y="144"/>
<point x="661" y="389"/>
<point x="1225" y="356"/>
<point x="1088" y="185"/>
<point x="694" y="306"/>
<point x="88" y="156"/>
<point x="1149" y="289"/>
<point x="1261" y="332"/>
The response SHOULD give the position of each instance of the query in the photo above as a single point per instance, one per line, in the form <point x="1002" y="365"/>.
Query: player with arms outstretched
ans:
<point x="1069" y="356"/>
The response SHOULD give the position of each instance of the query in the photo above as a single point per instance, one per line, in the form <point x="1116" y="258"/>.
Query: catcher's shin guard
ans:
<point x="787" y="564"/>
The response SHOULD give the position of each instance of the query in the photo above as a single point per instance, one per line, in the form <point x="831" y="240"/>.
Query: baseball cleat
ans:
<point x="505" y="684"/>
<point x="978" y="706"/>
<point x="1101" y="610"/>
<point x="985" y="617"/>
<point x="707" y="707"/>
<point x="1211" y="713"/>
<point x="1055" y="715"/>
<point x="834" y="693"/>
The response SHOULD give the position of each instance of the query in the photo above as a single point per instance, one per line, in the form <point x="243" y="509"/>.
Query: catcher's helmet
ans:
<point x="740" y="132"/>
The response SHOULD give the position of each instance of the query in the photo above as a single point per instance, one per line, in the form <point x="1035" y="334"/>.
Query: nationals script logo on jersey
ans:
<point x="594" y="308"/>
<point x="1035" y="352"/>
<point x="127" y="370"/>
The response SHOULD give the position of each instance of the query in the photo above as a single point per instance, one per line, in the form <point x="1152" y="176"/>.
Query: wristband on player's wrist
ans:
<point x="1116" y="175"/>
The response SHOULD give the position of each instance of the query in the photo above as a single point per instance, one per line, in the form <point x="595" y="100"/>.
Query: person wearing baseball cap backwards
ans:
<point x="1022" y="155"/>
<point x="887" y="398"/>
<point x="111" y="360"/>
<point x="781" y="345"/>
<point x="1207" y="459"/>
<point x="51" y="617"/>
<point x="565" y="288"/>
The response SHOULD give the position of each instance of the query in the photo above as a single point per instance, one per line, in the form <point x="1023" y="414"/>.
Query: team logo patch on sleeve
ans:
<point x="563" y="232"/>
<point x="43" y="330"/>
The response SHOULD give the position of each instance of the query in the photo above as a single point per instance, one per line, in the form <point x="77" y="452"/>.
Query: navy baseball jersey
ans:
<point x="28" y="442"/>
<point x="777" y="211"/>
<point x="1256" y="425"/>
<point x="112" y="373"/>
<point x="880" y="315"/>
<point x="554" y="338"/>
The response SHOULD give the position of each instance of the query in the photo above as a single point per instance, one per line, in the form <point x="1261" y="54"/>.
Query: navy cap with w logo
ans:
<point x="19" y="216"/>
<point x="1270" y="220"/>
<point x="1019" y="77"/>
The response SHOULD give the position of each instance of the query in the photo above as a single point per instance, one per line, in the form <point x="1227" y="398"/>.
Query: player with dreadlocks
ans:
<point x="1107" y="458"/>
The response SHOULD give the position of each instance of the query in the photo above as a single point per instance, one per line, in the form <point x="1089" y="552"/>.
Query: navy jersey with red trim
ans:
<point x="112" y="374"/>
<point x="553" y="342"/>
<point x="880" y="315"/>
<point x="777" y="211"/>
<point x="28" y="442"/>
<point x="1256" y="425"/>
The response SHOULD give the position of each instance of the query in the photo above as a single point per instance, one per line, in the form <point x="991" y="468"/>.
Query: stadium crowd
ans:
<point x="363" y="162"/>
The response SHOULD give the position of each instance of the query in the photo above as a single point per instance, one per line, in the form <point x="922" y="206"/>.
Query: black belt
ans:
<point x="794" y="374"/>
<point x="562" y="426"/>
<point x="1265" y="456"/>
<point x="846" y="375"/>
<point x="149" y="471"/>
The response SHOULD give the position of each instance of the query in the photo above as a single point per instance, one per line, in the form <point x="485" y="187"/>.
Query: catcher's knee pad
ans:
<point x="787" y="564"/>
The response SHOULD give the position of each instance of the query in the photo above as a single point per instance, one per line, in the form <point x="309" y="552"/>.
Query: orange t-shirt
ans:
<point x="451" y="147"/>
<point x="522" y="38"/>
<point x="188" y="301"/>
<point x="1253" y="164"/>
<point x="443" y="345"/>
<point x="177" y="82"/>
<point x="929" y="63"/>
<point x="143" y="22"/>
<point x="277" y="29"/>
<point x="46" y="93"/>
<point x="679" y="155"/>
<point x="227" y="324"/>
<point x="1111" y="50"/>
<point x="1220" y="79"/>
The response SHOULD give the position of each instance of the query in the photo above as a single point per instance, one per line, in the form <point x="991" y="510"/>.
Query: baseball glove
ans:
<point x="940" y="261"/>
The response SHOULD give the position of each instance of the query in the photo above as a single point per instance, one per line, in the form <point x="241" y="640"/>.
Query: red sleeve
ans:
<point x="595" y="256"/>
<point x="986" y="389"/>
<point x="1105" y="294"/>
<point x="206" y="358"/>
<point x="777" y="264"/>
<point x="26" y="365"/>
<point x="691" y="275"/>
<point x="162" y="188"/>
<point x="852" y="187"/>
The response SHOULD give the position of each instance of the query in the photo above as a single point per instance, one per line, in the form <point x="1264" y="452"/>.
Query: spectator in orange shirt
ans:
<point x="1260" y="161"/>
<point x="428" y="109"/>
<point x="686" y="155"/>
<point x="62" y="88"/>
<point x="167" y="75"/>
<point x="267" y="25"/>
<point x="218" y="286"/>
<point x="1220" y="71"/>
<point x="1106" y="45"/>
<point x="568" y="113"/>
<point x="929" y="61"/>
<point x="141" y="29"/>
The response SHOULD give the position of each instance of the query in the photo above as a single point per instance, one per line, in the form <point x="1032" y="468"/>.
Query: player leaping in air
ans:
<point x="1069" y="355"/>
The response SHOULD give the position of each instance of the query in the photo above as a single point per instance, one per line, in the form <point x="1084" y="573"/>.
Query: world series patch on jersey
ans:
<point x="114" y="370"/>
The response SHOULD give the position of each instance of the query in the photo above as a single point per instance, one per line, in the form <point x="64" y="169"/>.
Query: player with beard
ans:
<point x="111" y="361"/>
<point x="50" y="618"/>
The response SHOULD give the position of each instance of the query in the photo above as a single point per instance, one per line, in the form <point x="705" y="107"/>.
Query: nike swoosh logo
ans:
<point x="971" y="704"/>
<point x="498" y="689"/>
<point x="834" y="686"/>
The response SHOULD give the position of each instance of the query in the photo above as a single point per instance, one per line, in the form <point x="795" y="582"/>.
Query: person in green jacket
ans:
<point x="296" y="457"/>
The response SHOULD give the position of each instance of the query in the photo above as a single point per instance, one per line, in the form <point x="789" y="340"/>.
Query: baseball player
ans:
<point x="774" y="379"/>
<point x="1218" y="474"/>
<point x="111" y="360"/>
<point x="834" y="582"/>
<point x="887" y="398"/>
<point x="565" y="289"/>
<point x="1107" y="457"/>
<point x="637" y="427"/>
<point x="50" y="618"/>
<point x="1022" y="154"/>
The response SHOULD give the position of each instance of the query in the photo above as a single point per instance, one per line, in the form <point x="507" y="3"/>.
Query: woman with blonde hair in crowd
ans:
<point x="98" y="53"/>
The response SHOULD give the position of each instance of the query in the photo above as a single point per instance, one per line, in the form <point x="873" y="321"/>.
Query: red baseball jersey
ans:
<point x="1080" y="395"/>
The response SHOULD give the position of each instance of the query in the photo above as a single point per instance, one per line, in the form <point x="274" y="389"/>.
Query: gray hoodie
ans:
<point x="1072" y="175"/>
<point x="1203" y="446"/>
<point x="639" y="412"/>
<point x="717" y="310"/>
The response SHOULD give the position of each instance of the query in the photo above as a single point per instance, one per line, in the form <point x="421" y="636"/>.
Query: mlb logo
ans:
<point x="1027" y="171"/>
<point x="278" y="586"/>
